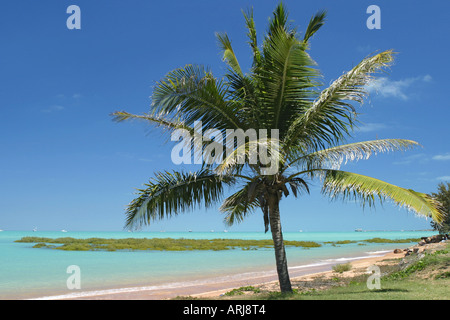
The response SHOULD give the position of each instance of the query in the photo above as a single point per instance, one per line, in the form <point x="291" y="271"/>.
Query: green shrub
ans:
<point x="443" y="275"/>
<point x="340" y="268"/>
<point x="242" y="290"/>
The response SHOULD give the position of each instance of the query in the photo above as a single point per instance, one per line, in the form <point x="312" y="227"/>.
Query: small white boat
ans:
<point x="358" y="230"/>
<point x="63" y="230"/>
<point x="34" y="229"/>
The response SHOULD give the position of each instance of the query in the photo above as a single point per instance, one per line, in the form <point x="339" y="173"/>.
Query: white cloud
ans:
<point x="370" y="127"/>
<point x="442" y="157"/>
<point x="53" y="109"/>
<point x="443" y="178"/>
<point x="423" y="158"/>
<point x="364" y="48"/>
<point x="427" y="78"/>
<point x="416" y="158"/>
<point x="65" y="96"/>
<point x="396" y="89"/>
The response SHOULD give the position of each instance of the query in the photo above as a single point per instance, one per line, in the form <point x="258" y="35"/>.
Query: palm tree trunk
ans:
<point x="277" y="236"/>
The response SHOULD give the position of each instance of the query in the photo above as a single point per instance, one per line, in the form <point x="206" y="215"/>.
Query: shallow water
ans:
<point x="27" y="272"/>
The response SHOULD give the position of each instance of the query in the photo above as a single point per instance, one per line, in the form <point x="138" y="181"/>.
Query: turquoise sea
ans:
<point x="29" y="273"/>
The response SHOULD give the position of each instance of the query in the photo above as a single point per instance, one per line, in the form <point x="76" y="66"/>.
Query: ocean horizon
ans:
<point x="42" y="273"/>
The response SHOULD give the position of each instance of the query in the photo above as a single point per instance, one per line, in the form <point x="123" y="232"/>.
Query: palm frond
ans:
<point x="157" y="120"/>
<point x="195" y="95"/>
<point x="286" y="77"/>
<point x="316" y="22"/>
<point x="195" y="147"/>
<point x="240" y="204"/>
<point x="171" y="193"/>
<point x="332" y="116"/>
<point x="251" y="34"/>
<point x="228" y="54"/>
<point x="259" y="154"/>
<point x="333" y="158"/>
<point x="240" y="93"/>
<point x="279" y="21"/>
<point x="297" y="185"/>
<point x="366" y="189"/>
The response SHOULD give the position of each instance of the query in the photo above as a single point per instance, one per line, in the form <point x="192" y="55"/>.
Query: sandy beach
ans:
<point x="358" y="267"/>
<point x="214" y="289"/>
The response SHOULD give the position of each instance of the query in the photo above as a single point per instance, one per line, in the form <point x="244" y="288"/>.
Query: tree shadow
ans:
<point x="378" y="291"/>
<point x="389" y="290"/>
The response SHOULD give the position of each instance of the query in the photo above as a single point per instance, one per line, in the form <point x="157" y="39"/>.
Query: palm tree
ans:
<point x="443" y="196"/>
<point x="282" y="91"/>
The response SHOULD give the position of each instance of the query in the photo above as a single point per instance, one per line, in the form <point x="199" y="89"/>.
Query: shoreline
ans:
<point x="358" y="267"/>
<point x="360" y="263"/>
<point x="213" y="288"/>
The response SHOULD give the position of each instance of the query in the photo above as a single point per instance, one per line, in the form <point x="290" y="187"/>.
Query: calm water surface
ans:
<point x="27" y="272"/>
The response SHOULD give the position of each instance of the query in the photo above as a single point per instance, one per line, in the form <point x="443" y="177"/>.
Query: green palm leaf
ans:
<point x="195" y="95"/>
<point x="331" y="117"/>
<point x="286" y="76"/>
<point x="314" y="25"/>
<point x="241" y="91"/>
<point x="159" y="121"/>
<point x="241" y="203"/>
<point x="258" y="154"/>
<point x="335" y="156"/>
<point x="355" y="186"/>
<point x="172" y="193"/>
<point x="251" y="34"/>
<point x="170" y="126"/>
<point x="228" y="54"/>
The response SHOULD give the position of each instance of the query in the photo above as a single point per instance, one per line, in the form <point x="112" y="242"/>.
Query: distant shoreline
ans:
<point x="183" y="244"/>
<point x="210" y="231"/>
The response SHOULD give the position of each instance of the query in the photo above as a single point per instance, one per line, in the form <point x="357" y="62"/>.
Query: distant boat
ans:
<point x="63" y="230"/>
<point x="300" y="230"/>
<point x="225" y="230"/>
<point x="190" y="230"/>
<point x="358" y="230"/>
<point x="34" y="229"/>
<point x="1" y="230"/>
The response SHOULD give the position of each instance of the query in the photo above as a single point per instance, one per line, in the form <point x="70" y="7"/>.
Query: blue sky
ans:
<point x="65" y="165"/>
